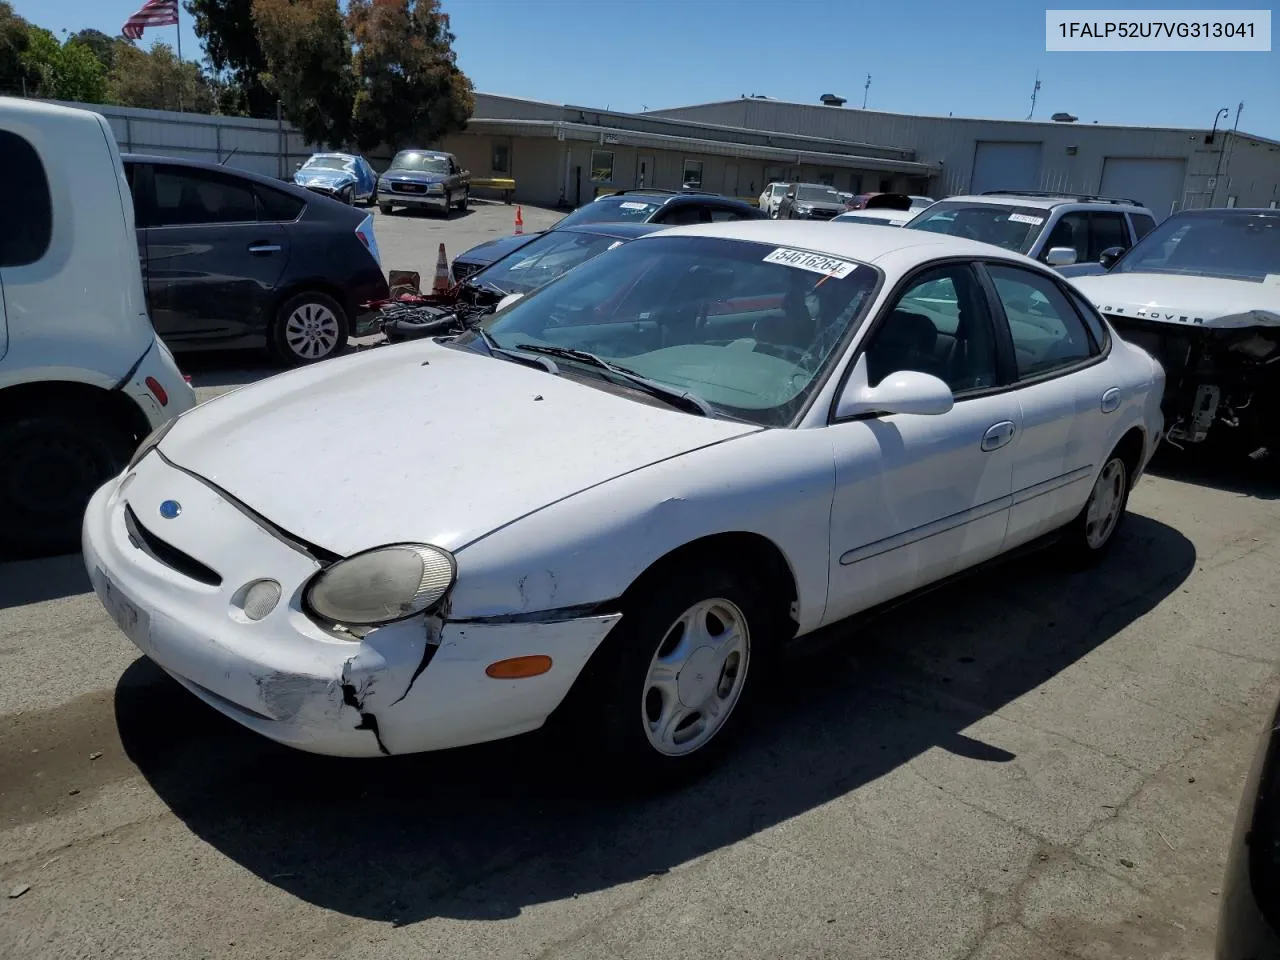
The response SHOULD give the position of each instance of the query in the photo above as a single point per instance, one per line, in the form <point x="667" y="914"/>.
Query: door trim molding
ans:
<point x="925" y="531"/>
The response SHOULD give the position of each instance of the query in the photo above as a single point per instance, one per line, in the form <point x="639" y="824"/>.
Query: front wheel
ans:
<point x="308" y="328"/>
<point x="384" y="209"/>
<point x="676" y="679"/>
<point x="348" y="196"/>
<point x="465" y="201"/>
<point x="53" y="463"/>
<point x="1091" y="534"/>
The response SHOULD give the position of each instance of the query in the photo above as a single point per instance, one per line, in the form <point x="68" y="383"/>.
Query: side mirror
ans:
<point x="906" y="391"/>
<point x="1109" y="256"/>
<point x="1060" y="256"/>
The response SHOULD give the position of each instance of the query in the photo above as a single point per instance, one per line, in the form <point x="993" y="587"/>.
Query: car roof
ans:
<point x="334" y="153"/>
<point x="1043" y="201"/>
<point x="865" y="242"/>
<point x="622" y="231"/>
<point x="430" y="153"/>
<point x="877" y="213"/>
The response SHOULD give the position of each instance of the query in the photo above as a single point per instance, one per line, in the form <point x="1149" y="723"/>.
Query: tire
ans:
<point x="1089" y="537"/>
<point x="53" y="463"/>
<point x="619" y="706"/>
<point x="348" y="196"/>
<point x="465" y="201"/>
<point x="385" y="209"/>
<point x="308" y="328"/>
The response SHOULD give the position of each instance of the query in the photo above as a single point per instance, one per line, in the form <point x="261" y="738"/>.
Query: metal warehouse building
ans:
<point x="568" y="154"/>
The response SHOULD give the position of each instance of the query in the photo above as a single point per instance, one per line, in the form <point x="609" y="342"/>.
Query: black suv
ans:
<point x="233" y="259"/>
<point x="670" y="208"/>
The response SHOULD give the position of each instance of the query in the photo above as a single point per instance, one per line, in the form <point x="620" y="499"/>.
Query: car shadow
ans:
<point x="1237" y="474"/>
<point x="41" y="579"/>
<point x="484" y="832"/>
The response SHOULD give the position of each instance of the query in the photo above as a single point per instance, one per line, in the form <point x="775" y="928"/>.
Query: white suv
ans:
<point x="1057" y="229"/>
<point x="771" y="197"/>
<point x="83" y="377"/>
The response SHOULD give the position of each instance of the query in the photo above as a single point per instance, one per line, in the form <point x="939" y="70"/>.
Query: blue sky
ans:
<point x="949" y="57"/>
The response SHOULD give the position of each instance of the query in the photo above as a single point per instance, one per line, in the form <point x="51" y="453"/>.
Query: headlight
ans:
<point x="804" y="208"/>
<point x="435" y="188"/>
<point x="150" y="443"/>
<point x="381" y="586"/>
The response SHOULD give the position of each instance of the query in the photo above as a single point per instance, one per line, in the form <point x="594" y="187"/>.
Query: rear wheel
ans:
<point x="675" y="680"/>
<point x="1091" y="534"/>
<point x="52" y="464"/>
<point x="348" y="195"/>
<point x="309" y="327"/>
<point x="385" y="208"/>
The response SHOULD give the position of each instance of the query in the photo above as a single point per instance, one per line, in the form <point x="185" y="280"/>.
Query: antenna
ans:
<point x="1034" y="90"/>
<point x="866" y="87"/>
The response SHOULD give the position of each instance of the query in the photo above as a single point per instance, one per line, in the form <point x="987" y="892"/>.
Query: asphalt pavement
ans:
<point x="1028" y="764"/>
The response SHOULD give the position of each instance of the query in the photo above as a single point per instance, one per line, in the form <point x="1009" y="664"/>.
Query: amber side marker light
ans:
<point x="518" y="668"/>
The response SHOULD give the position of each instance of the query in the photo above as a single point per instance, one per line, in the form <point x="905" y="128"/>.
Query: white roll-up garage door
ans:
<point x="1155" y="182"/>
<point x="1005" y="165"/>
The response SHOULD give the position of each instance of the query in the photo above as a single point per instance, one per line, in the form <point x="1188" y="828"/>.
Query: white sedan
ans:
<point x="614" y="502"/>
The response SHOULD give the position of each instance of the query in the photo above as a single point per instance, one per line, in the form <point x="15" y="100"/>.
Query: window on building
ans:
<point x="602" y="166"/>
<point x="886" y="185"/>
<point x="501" y="162"/>
<point x="855" y="183"/>
<point x="692" y="174"/>
<point x="828" y="177"/>
<point x="28" y="222"/>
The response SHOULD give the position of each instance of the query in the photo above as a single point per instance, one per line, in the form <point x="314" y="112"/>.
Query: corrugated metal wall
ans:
<point x="1073" y="153"/>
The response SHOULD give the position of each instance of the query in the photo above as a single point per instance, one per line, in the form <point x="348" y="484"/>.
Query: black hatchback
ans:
<point x="669" y="208"/>
<point x="233" y="259"/>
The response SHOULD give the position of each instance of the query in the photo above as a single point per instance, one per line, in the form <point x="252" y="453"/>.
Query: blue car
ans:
<point x="344" y="176"/>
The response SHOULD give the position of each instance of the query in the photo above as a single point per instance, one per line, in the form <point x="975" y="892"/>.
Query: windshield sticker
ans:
<point x="633" y="205"/>
<point x="1024" y="218"/>
<point x="813" y="262"/>
<point x="616" y="243"/>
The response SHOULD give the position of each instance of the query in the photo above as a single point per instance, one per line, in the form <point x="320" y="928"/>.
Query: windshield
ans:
<point x="1014" y="228"/>
<point x="544" y="259"/>
<point x="748" y="328"/>
<point x="328" y="163"/>
<point x="820" y="194"/>
<point x="415" y="160"/>
<point x="1233" y="246"/>
<point x="618" y="209"/>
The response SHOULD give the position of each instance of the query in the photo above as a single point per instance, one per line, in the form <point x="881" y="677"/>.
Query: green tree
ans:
<point x="62" y="71"/>
<point x="14" y="40"/>
<point x="156" y="79"/>
<point x="409" y="87"/>
<point x="231" y="44"/>
<point x="103" y="46"/>
<point x="308" y="53"/>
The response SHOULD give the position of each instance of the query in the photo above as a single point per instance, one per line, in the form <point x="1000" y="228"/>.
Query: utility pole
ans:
<point x="866" y="89"/>
<point x="1034" y="91"/>
<point x="1232" y="146"/>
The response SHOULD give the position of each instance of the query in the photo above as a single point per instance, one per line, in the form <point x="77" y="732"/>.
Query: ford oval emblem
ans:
<point x="170" y="509"/>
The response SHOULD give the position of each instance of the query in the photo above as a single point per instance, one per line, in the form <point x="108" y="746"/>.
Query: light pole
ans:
<point x="1218" y="168"/>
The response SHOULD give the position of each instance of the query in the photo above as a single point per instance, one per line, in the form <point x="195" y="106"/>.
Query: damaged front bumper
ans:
<point x="1221" y="374"/>
<point x="178" y="589"/>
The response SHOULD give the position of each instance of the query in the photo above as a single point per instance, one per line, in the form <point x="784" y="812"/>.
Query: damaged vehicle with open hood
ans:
<point x="608" y="506"/>
<point x="1201" y="294"/>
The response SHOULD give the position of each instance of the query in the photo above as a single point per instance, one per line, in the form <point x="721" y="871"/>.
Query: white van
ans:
<point x="83" y="377"/>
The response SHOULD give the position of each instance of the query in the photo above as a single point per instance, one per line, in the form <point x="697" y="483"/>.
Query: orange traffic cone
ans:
<point x="519" y="220"/>
<point x="443" y="280"/>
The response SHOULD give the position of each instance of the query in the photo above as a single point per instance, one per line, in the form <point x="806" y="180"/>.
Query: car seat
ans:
<point x="905" y="342"/>
<point x="794" y="326"/>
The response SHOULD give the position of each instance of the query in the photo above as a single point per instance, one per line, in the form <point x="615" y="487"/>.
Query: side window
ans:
<point x="1071" y="230"/>
<point x="28" y="218"/>
<point x="724" y="214"/>
<point x="188" y="196"/>
<point x="1047" y="332"/>
<point x="1142" y="225"/>
<point x="1091" y="318"/>
<point x="686" y="214"/>
<point x="278" y="206"/>
<point x="1108" y="231"/>
<point x="942" y="326"/>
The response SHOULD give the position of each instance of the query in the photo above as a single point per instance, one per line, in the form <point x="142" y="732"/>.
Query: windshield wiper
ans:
<point x="677" y="398"/>
<point x="496" y="351"/>
<point x="487" y="285"/>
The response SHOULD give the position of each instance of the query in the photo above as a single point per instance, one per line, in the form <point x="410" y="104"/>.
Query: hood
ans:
<point x="422" y="442"/>
<point x="323" y="178"/>
<point x="1170" y="298"/>
<point x="497" y="248"/>
<point x="414" y="176"/>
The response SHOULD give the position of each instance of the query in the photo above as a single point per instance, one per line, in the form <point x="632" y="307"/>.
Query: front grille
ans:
<point x="822" y="214"/>
<point x="409" y="188"/>
<point x="166" y="553"/>
<point x="463" y="270"/>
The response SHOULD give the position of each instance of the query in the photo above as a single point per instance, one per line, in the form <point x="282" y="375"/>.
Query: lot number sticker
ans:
<point x="1024" y="218"/>
<point x="813" y="262"/>
<point x="633" y="205"/>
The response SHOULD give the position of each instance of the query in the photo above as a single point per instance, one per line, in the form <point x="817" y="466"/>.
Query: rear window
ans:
<point x="28" y="219"/>
<point x="1011" y="227"/>
<point x="623" y="208"/>
<point x="278" y="205"/>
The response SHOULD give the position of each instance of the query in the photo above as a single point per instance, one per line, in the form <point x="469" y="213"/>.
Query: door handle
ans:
<point x="1111" y="400"/>
<point x="997" y="435"/>
<point x="264" y="248"/>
